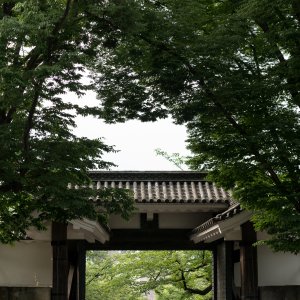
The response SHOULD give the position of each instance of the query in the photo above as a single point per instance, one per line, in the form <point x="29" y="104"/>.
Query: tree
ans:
<point x="45" y="48"/>
<point x="229" y="70"/>
<point x="175" y="158"/>
<point x="133" y="274"/>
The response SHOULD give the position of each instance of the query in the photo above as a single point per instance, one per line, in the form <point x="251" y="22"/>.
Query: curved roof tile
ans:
<point x="163" y="187"/>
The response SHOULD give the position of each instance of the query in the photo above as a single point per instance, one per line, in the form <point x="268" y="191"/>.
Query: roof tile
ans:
<point x="163" y="187"/>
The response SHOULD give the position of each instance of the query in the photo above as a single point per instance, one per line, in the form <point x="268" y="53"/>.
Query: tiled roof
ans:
<point x="229" y="213"/>
<point x="163" y="187"/>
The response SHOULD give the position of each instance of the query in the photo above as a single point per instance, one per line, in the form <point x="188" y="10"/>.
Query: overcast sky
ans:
<point x="136" y="141"/>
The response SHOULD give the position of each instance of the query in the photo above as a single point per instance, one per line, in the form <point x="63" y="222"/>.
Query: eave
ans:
<point x="227" y="228"/>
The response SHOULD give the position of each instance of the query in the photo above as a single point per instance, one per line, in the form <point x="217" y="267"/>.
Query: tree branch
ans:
<point x="196" y="268"/>
<point x="253" y="147"/>
<point x="7" y="8"/>
<point x="62" y="19"/>
<point x="29" y="121"/>
<point x="296" y="9"/>
<point x="255" y="57"/>
<point x="163" y="47"/>
<point x="192" y="290"/>
<point x="35" y="57"/>
<point x="97" y="275"/>
<point x="291" y="81"/>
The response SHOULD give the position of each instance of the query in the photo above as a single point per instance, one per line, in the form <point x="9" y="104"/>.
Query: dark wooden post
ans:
<point x="224" y="271"/>
<point x="82" y="269"/>
<point x="77" y="256"/>
<point x="73" y="277"/>
<point x="248" y="261"/>
<point x="214" y="274"/>
<point x="60" y="261"/>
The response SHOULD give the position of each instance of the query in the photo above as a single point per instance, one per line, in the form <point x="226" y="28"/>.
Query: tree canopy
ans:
<point x="45" y="47"/>
<point x="229" y="70"/>
<point x="133" y="274"/>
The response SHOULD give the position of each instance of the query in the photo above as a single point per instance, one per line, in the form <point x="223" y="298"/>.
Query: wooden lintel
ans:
<point x="149" y="239"/>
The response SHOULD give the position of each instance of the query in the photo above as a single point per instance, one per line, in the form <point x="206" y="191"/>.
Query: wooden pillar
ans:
<point x="214" y="274"/>
<point x="81" y="269"/>
<point x="60" y="261"/>
<point x="73" y="286"/>
<point x="248" y="261"/>
<point x="223" y="286"/>
<point x="77" y="257"/>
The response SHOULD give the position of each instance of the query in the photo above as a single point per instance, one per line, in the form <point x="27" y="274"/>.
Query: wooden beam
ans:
<point x="248" y="261"/>
<point x="60" y="261"/>
<point x="149" y="239"/>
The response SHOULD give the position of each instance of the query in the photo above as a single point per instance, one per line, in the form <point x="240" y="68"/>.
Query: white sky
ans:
<point x="136" y="141"/>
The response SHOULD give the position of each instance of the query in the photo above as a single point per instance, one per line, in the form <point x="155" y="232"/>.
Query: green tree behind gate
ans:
<point x="131" y="275"/>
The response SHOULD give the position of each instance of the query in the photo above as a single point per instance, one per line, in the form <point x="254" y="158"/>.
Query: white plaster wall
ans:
<point x="117" y="222"/>
<point x="277" y="268"/>
<point x="274" y="268"/>
<point x="26" y="264"/>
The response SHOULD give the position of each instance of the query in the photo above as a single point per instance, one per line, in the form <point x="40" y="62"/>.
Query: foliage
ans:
<point x="45" y="47"/>
<point x="133" y="274"/>
<point x="175" y="158"/>
<point x="230" y="71"/>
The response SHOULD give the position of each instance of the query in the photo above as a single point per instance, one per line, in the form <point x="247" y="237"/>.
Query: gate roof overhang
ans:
<point x="174" y="210"/>
<point x="159" y="195"/>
